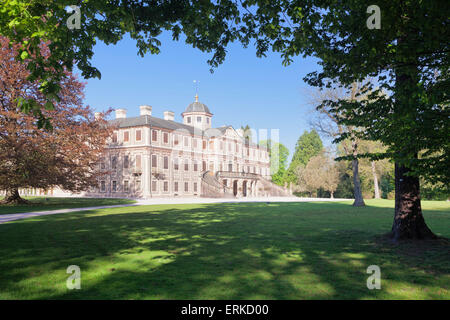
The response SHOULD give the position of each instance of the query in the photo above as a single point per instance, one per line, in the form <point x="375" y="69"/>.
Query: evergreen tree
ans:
<point x="278" y="160"/>
<point x="308" y="145"/>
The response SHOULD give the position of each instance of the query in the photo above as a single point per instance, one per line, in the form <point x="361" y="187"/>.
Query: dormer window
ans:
<point x="199" y="119"/>
<point x="188" y="119"/>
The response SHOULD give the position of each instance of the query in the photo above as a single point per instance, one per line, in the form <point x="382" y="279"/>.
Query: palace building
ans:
<point x="159" y="157"/>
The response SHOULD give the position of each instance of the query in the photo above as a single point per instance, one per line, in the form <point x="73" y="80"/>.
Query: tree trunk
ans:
<point x="375" y="181"/>
<point x="12" y="197"/>
<point x="408" y="219"/>
<point x="359" y="201"/>
<point x="332" y="195"/>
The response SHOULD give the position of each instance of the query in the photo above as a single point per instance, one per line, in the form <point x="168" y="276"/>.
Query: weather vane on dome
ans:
<point x="196" y="82"/>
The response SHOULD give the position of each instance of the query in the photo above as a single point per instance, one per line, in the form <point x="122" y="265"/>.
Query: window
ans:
<point x="154" y="135"/>
<point x="175" y="139"/>
<point x="186" y="186"/>
<point x="166" y="137"/>
<point x="138" y="161"/>
<point x="204" y="166"/>
<point x="195" y="186"/>
<point x="207" y="120"/>
<point x="186" y="164"/>
<point x="211" y="166"/>
<point x="237" y="147"/>
<point x="138" y="185"/>
<point x="126" y="186"/>
<point x="230" y="167"/>
<point x="114" y="186"/>
<point x="224" y="182"/>
<point x="138" y="135"/>
<point x="199" y="119"/>
<point x="114" y="137"/>
<point x="195" y="143"/>
<point x="154" y="186"/>
<point x="102" y="163"/>
<point x="175" y="164"/>
<point x="175" y="186"/>
<point x="154" y="161"/>
<point x="102" y="186"/>
<point x="211" y="145"/>
<point x="221" y="145"/>
<point x="126" y="136"/>
<point x="186" y="141"/>
<point x="166" y="162"/>
<point x="125" y="162"/>
<point x="114" y="162"/>
<point x="204" y="144"/>
<point x="166" y="186"/>
<point x="195" y="166"/>
<point x="188" y="119"/>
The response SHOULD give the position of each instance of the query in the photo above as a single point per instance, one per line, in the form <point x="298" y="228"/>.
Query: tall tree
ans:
<point x="328" y="122"/>
<point x="319" y="172"/>
<point x="409" y="58"/>
<point x="278" y="154"/>
<point x="308" y="145"/>
<point x="66" y="156"/>
<point x="376" y="167"/>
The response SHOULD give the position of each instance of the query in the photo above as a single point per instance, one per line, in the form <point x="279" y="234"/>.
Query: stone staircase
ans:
<point x="212" y="186"/>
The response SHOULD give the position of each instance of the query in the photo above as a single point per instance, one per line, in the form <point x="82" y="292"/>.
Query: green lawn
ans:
<point x="224" y="251"/>
<point x="55" y="203"/>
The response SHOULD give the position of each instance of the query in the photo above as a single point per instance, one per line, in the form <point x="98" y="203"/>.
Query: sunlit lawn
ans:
<point x="55" y="203"/>
<point x="224" y="251"/>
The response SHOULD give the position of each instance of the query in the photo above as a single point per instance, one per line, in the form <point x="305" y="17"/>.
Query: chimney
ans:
<point x="97" y="115"/>
<point x="146" y="110"/>
<point x="169" y="115"/>
<point x="121" y="113"/>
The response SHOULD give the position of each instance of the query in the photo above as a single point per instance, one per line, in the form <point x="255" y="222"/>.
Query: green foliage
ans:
<point x="278" y="160"/>
<point x="206" y="25"/>
<point x="308" y="145"/>
<point x="387" y="185"/>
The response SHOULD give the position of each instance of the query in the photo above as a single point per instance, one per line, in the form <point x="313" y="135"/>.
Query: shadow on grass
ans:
<point x="216" y="251"/>
<point x="55" y="203"/>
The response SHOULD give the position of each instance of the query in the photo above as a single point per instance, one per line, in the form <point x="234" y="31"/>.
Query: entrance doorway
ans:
<point x="235" y="187"/>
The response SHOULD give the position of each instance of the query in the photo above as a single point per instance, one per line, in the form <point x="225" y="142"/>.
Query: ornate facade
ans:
<point x="158" y="157"/>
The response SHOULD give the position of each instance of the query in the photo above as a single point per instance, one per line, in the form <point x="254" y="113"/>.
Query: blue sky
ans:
<point x="243" y="90"/>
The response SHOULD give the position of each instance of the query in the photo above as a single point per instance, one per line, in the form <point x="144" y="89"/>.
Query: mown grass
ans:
<point x="224" y="251"/>
<point x="55" y="203"/>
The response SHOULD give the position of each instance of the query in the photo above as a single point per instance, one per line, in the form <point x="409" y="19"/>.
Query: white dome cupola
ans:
<point x="197" y="115"/>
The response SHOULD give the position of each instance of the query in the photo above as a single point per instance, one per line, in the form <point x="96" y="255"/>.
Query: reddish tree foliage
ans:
<point x="66" y="155"/>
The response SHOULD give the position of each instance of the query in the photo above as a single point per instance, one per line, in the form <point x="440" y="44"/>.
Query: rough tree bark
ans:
<point x="408" y="219"/>
<point x="359" y="201"/>
<point x="375" y="181"/>
<point x="409" y="222"/>
<point x="12" y="197"/>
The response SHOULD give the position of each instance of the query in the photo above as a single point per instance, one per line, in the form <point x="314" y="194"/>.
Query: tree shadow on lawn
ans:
<point x="215" y="251"/>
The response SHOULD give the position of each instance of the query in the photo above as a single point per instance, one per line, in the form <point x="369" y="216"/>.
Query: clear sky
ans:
<point x="243" y="90"/>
